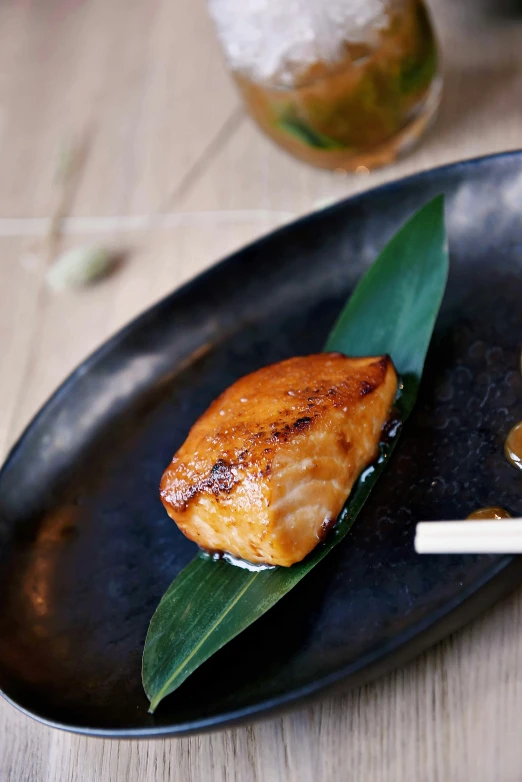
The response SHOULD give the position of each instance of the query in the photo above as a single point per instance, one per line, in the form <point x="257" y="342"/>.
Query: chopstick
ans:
<point x="502" y="536"/>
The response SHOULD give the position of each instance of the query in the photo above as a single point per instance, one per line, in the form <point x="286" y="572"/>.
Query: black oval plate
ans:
<point x="87" y="550"/>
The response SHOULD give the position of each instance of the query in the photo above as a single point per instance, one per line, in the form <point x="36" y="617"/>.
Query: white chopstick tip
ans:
<point x="499" y="536"/>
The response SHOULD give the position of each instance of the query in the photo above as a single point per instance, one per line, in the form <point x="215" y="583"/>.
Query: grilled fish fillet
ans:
<point x="267" y="468"/>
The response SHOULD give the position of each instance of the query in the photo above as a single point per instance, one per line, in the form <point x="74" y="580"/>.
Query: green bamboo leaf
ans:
<point x="393" y="310"/>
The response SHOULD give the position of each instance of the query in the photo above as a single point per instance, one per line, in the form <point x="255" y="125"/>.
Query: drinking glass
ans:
<point x="338" y="83"/>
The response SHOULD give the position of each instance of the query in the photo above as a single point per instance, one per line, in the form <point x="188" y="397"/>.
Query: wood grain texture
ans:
<point x="145" y="82"/>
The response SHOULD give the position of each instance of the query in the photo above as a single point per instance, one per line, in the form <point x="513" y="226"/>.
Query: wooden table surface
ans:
<point x="143" y="84"/>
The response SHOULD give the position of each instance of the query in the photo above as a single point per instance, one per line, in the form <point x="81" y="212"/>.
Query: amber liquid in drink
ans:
<point x="362" y="110"/>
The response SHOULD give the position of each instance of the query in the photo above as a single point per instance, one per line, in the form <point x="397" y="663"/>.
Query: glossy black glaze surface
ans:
<point x="86" y="550"/>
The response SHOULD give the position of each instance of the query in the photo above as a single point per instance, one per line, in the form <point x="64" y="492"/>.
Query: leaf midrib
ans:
<point x="164" y="690"/>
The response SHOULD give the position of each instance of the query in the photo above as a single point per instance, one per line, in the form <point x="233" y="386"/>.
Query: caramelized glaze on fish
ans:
<point x="265" y="471"/>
